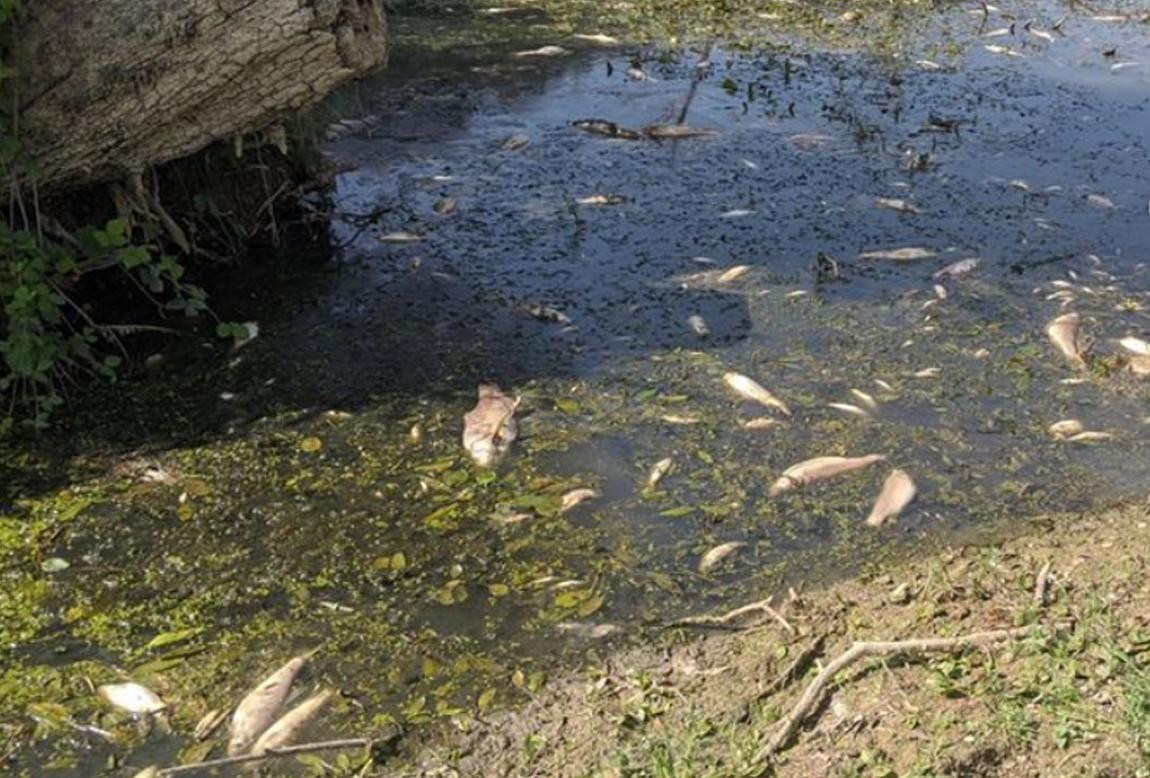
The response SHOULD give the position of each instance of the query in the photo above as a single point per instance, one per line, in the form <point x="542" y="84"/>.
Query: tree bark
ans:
<point x="107" y="89"/>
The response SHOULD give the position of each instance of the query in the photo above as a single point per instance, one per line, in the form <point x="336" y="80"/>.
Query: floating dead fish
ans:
<point x="1135" y="346"/>
<point x="587" y="631"/>
<point x="261" y="706"/>
<point x="132" y="697"/>
<point x="927" y="64"/>
<point x="151" y="771"/>
<point x="853" y="410"/>
<point x="543" y="51"/>
<point x="606" y="128"/>
<point x="544" y="313"/>
<point x="636" y="74"/>
<point x="1100" y="201"/>
<point x="1119" y="66"/>
<point x="760" y="423"/>
<point x="808" y="141"/>
<point x="750" y="389"/>
<point x="489" y="428"/>
<point x="1073" y="381"/>
<point x="908" y="254"/>
<point x="575" y="497"/>
<point x="400" y="236"/>
<point x="1061" y="430"/>
<point x="657" y="473"/>
<point x="867" y="400"/>
<point x="602" y="199"/>
<point x="819" y="469"/>
<point x="698" y="325"/>
<point x="940" y="292"/>
<point x="673" y="131"/>
<point x="716" y="555"/>
<point x="898" y="491"/>
<point x="288" y="726"/>
<point x="732" y="273"/>
<point x="515" y="142"/>
<point x="1000" y="32"/>
<point x="930" y="372"/>
<point x="1046" y="36"/>
<point x="884" y="385"/>
<point x="1063" y="333"/>
<point x="672" y="418"/>
<point x="598" y="37"/>
<point x="796" y="294"/>
<point x="1089" y="436"/>
<point x="896" y="204"/>
<point x="736" y="213"/>
<point x="996" y="49"/>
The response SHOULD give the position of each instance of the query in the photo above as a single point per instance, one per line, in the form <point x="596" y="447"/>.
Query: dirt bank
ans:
<point x="1070" y="696"/>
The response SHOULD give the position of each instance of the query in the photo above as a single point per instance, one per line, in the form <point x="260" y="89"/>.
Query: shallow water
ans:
<point x="396" y="556"/>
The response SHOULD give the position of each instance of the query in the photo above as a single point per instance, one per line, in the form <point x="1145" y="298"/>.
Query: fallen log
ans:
<point x="106" y="90"/>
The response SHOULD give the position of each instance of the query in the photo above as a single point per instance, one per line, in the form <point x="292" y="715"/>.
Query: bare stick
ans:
<point x="859" y="650"/>
<point x="302" y="748"/>
<point x="795" y="669"/>
<point x="725" y="620"/>
<point x="1041" y="585"/>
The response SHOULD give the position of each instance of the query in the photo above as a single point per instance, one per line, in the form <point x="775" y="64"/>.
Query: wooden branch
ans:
<point x="302" y="748"/>
<point x="1042" y="585"/>
<point x="725" y="620"/>
<point x="861" y="649"/>
<point x="795" y="669"/>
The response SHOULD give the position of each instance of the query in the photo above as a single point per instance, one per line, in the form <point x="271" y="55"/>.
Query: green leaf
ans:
<point x="168" y="638"/>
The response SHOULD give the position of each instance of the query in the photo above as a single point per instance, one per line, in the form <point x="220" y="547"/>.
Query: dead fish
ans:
<point x="657" y="472"/>
<point x="151" y="771"/>
<point x="672" y="131"/>
<point x="288" y="726"/>
<point x="1090" y="436"/>
<point x="636" y="74"/>
<point x="716" y="555"/>
<point x="908" y="254"/>
<point x="930" y="372"/>
<point x="673" y="418"/>
<point x="261" y="706"/>
<point x="598" y="37"/>
<point x="736" y="213"/>
<point x="574" y="497"/>
<point x="543" y="51"/>
<point x="927" y="64"/>
<point x="1061" y="430"/>
<point x="1063" y="333"/>
<point x="444" y="206"/>
<point x="1135" y="346"/>
<point x="1118" y="66"/>
<point x="1100" y="201"/>
<point x="750" y="389"/>
<point x="1000" y="32"/>
<point x="853" y="410"/>
<point x="760" y="423"/>
<point x="818" y="469"/>
<point x="698" y="325"/>
<point x="808" y="141"/>
<point x="544" y="313"/>
<point x="132" y="697"/>
<point x="732" y="273"/>
<point x="867" y="400"/>
<point x="602" y="199"/>
<point x="940" y="292"/>
<point x="489" y="428"/>
<point x="896" y="204"/>
<point x="587" y="631"/>
<point x="1139" y="366"/>
<point x="515" y="142"/>
<point x="898" y="491"/>
<point x="996" y="49"/>
<point x="884" y="385"/>
<point x="400" y="236"/>
<point x="1040" y="34"/>
<point x="606" y="128"/>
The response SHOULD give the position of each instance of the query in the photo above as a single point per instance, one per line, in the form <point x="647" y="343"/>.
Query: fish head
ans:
<point x="487" y="391"/>
<point x="488" y="451"/>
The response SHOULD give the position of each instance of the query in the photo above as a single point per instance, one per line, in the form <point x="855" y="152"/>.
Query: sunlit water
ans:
<point x="424" y="580"/>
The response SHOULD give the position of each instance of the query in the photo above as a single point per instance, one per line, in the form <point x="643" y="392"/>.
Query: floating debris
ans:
<point x="898" y="491"/>
<point x="544" y="313"/>
<point x="132" y="697"/>
<point x="444" y="206"/>
<point x="698" y="325"/>
<point x="400" y="236"/>
<point x="1064" y="334"/>
<point x="543" y="51"/>
<point x="515" y="142"/>
<point x="714" y="557"/>
<point x="1061" y="430"/>
<point x="586" y="631"/>
<point x="575" y="497"/>
<point x="489" y="428"/>
<point x="607" y="129"/>
<point x="750" y="389"/>
<point x="907" y="254"/>
<point x="808" y="141"/>
<point x="1135" y="346"/>
<point x="288" y="726"/>
<point x="958" y="269"/>
<point x="819" y="469"/>
<point x="657" y="473"/>
<point x="673" y="131"/>
<point x="895" y="204"/>
<point x="261" y="706"/>
<point x="637" y="74"/>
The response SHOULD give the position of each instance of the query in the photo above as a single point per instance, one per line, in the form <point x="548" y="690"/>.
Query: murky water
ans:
<point x="311" y="516"/>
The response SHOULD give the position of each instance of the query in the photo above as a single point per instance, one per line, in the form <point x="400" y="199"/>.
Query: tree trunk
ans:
<point x="112" y="87"/>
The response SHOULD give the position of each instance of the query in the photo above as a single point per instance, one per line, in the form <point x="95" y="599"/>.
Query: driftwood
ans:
<point x="302" y="748"/>
<point x="107" y="89"/>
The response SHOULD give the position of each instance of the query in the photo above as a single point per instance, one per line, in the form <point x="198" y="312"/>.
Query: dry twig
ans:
<point x="302" y="748"/>
<point x="1042" y="585"/>
<point x="725" y="620"/>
